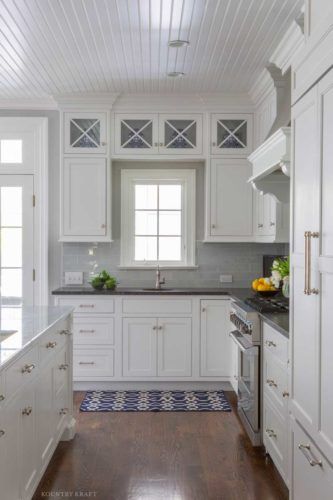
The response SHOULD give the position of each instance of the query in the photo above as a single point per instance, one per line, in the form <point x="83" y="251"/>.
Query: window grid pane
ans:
<point x="158" y="233"/>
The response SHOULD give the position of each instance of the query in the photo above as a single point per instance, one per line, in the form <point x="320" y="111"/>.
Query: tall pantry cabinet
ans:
<point x="311" y="406"/>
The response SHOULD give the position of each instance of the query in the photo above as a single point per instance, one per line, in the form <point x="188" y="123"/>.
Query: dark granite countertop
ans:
<point x="278" y="321"/>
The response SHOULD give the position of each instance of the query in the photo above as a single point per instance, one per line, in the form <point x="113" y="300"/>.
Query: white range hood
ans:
<point x="271" y="165"/>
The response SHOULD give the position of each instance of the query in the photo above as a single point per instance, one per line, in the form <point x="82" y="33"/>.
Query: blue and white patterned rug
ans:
<point x="155" y="401"/>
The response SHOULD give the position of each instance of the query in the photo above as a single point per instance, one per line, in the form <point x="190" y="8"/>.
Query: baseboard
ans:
<point x="146" y="386"/>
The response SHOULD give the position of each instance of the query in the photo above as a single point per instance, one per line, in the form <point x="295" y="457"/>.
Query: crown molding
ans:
<point x="288" y="48"/>
<point x="45" y="103"/>
<point x="86" y="100"/>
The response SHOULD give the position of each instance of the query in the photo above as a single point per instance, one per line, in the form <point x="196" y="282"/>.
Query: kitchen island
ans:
<point x="36" y="409"/>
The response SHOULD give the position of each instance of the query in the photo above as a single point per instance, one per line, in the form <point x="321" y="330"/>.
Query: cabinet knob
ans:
<point x="271" y="382"/>
<point x="272" y="224"/>
<point x="260" y="226"/>
<point x="2" y="433"/>
<point x="285" y="394"/>
<point x="213" y="226"/>
<point x="270" y="343"/>
<point x="27" y="411"/>
<point x="28" y="368"/>
<point x="103" y="143"/>
<point x="203" y="309"/>
<point x="214" y="144"/>
<point x="155" y="144"/>
<point x="160" y="327"/>
<point x="63" y="411"/>
<point x="154" y="327"/>
<point x="51" y="345"/>
<point x="64" y="332"/>
<point x="271" y="433"/>
<point x="2" y="397"/>
<point x="161" y="144"/>
<point x="103" y="226"/>
<point x="63" y="366"/>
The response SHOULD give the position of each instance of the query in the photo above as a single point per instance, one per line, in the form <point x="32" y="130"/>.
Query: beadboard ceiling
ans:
<point x="50" y="47"/>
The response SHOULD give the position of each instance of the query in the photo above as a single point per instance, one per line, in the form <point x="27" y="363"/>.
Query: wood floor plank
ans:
<point x="161" y="456"/>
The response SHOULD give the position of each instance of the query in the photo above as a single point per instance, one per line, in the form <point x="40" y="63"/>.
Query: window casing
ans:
<point x="155" y="227"/>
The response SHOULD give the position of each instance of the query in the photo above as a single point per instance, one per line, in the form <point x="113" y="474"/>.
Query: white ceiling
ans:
<point x="51" y="47"/>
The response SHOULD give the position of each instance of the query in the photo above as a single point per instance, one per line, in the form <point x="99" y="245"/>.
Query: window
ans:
<point x="158" y="218"/>
<point x="11" y="151"/>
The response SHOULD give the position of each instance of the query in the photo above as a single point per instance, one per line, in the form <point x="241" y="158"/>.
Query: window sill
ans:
<point x="152" y="268"/>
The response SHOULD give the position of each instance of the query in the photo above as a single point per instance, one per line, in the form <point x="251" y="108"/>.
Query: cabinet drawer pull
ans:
<point x="270" y="343"/>
<point x="28" y="368"/>
<point x="63" y="411"/>
<point x="271" y="433"/>
<point x="86" y="362"/>
<point x="306" y="450"/>
<point x="27" y="411"/>
<point x="63" y="366"/>
<point x="51" y="345"/>
<point x="285" y="394"/>
<point x="2" y="433"/>
<point x="271" y="382"/>
<point x="260" y="226"/>
<point x="87" y="331"/>
<point x="272" y="224"/>
<point x="214" y="144"/>
<point x="87" y="305"/>
<point x="64" y="332"/>
<point x="2" y="397"/>
<point x="154" y="327"/>
<point x="160" y="327"/>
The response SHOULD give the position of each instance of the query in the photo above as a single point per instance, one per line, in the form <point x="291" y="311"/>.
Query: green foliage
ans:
<point x="282" y="266"/>
<point x="103" y="279"/>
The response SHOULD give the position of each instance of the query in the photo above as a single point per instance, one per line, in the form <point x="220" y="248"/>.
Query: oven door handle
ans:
<point x="236" y="337"/>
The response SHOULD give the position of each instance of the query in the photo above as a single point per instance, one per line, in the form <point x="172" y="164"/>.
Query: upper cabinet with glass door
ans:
<point x="85" y="133"/>
<point x="180" y="134"/>
<point x="136" y="134"/>
<point x="231" y="134"/>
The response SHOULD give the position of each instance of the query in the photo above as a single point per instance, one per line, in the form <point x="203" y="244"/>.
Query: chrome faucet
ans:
<point x="159" y="281"/>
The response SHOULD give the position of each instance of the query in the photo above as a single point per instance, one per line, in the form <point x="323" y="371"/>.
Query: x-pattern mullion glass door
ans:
<point x="136" y="134"/>
<point x="16" y="249"/>
<point x="231" y="134"/>
<point x="85" y="133"/>
<point x="180" y="134"/>
<point x="158" y="222"/>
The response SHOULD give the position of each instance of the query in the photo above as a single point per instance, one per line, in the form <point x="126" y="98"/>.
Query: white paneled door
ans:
<point x="17" y="244"/>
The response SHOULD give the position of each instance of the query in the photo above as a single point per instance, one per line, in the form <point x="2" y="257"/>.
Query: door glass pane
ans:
<point x="169" y="248"/>
<point x="11" y="286"/>
<point x="136" y="134"/>
<point x="85" y="133"/>
<point x="170" y="223"/>
<point x="145" y="196"/>
<point x="11" y="247"/>
<point x="170" y="197"/>
<point x="11" y="206"/>
<point x="145" y="248"/>
<point x="145" y="223"/>
<point x="180" y="134"/>
<point x="11" y="150"/>
<point x="231" y="134"/>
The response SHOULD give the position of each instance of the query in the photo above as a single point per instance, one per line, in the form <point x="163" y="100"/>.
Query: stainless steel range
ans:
<point x="247" y="336"/>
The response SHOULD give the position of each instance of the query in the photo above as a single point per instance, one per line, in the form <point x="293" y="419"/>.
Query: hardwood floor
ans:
<point x="160" y="456"/>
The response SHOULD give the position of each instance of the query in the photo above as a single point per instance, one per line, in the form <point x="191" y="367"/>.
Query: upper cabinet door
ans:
<point x="136" y="134"/>
<point x="180" y="134"/>
<point x="231" y="134"/>
<point x="85" y="133"/>
<point x="85" y="200"/>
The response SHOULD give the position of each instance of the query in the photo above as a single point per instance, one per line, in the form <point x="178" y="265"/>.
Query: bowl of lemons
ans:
<point x="264" y="287"/>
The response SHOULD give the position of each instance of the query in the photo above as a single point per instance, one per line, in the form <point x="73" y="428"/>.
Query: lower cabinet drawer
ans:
<point x="98" y="330"/>
<point x="312" y="475"/>
<point x="275" y="437"/>
<point x="21" y="371"/>
<point x="156" y="306"/>
<point x="275" y="343"/>
<point x="88" y="304"/>
<point x="275" y="381"/>
<point x="88" y="363"/>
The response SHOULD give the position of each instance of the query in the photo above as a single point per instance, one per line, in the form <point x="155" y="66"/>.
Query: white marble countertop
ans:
<point x="27" y="323"/>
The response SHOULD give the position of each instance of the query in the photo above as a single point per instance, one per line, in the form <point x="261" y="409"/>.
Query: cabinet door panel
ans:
<point x="215" y="343"/>
<point x="231" y="198"/>
<point x="85" y="133"/>
<point x="139" y="347"/>
<point x="46" y="423"/>
<point x="85" y="197"/>
<point x="174" y="347"/>
<point x="180" y="134"/>
<point x="136" y="134"/>
<point x="231" y="134"/>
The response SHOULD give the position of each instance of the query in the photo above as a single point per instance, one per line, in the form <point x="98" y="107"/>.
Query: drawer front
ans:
<point x="51" y="343"/>
<point x="309" y="481"/>
<point x="88" y="305"/>
<point x="61" y="408"/>
<point x="89" y="363"/>
<point x="92" y="330"/>
<point x="155" y="306"/>
<point x="61" y="370"/>
<point x="275" y="381"/>
<point x="275" y="433"/>
<point x="275" y="343"/>
<point x="21" y="371"/>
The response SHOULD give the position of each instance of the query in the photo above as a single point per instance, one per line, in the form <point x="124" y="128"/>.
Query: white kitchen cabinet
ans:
<point x="230" y="201"/>
<point x="28" y="434"/>
<point x="312" y="279"/>
<point x="85" y="200"/>
<point x="271" y="219"/>
<point x="46" y="413"/>
<point x="158" y="134"/>
<point x="231" y="134"/>
<point x="85" y="133"/>
<point x="215" y="342"/>
<point x="174" y="347"/>
<point x="136" y="134"/>
<point x="139" y="347"/>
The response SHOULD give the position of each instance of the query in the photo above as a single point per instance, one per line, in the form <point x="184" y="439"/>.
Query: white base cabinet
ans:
<point x="36" y="411"/>
<point x="148" y="338"/>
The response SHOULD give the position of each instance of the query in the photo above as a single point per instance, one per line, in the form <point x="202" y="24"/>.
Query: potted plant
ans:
<point x="280" y="272"/>
<point x="103" y="279"/>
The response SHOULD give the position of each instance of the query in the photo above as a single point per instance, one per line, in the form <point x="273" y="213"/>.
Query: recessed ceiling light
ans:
<point x="176" y="74"/>
<point x="178" y="43"/>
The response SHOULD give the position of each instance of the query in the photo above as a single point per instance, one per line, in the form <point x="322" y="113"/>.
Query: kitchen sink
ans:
<point x="4" y="334"/>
